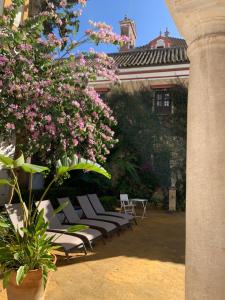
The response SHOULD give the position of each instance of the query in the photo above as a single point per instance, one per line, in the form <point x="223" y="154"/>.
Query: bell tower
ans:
<point x="128" y="28"/>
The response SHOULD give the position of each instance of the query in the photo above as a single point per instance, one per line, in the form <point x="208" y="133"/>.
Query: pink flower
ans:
<point x="48" y="118"/>
<point x="63" y="3"/>
<point x="31" y="114"/>
<point x="10" y="126"/>
<point x="82" y="2"/>
<point x="51" y="128"/>
<point x="81" y="123"/>
<point x="75" y="142"/>
<point x="25" y="47"/>
<point x="76" y="104"/>
<point x="3" y="60"/>
<point x="61" y="120"/>
<point x="18" y="115"/>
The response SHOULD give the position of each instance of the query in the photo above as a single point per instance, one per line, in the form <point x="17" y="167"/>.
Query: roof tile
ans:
<point x="150" y="57"/>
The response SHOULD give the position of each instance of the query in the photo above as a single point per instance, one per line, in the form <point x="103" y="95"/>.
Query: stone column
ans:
<point x="202" y="23"/>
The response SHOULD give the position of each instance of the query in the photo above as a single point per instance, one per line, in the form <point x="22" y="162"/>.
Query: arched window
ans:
<point x="160" y="44"/>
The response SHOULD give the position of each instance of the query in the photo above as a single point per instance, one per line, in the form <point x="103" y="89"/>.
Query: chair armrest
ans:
<point x="129" y="205"/>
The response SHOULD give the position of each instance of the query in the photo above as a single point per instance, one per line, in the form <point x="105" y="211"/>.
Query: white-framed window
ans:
<point x="163" y="103"/>
<point x="160" y="44"/>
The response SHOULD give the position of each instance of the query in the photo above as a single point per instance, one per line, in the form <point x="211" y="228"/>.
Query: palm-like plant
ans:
<point x="29" y="248"/>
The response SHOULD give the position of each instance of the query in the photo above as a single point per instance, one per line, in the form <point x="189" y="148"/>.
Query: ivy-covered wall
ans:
<point x="151" y="148"/>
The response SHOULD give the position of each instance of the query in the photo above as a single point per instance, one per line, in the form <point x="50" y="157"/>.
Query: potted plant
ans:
<point x="26" y="253"/>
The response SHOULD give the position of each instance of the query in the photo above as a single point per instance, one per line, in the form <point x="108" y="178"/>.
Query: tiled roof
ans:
<point x="150" y="57"/>
<point x="178" y="42"/>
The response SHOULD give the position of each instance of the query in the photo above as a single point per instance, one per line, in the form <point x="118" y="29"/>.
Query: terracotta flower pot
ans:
<point x="30" y="289"/>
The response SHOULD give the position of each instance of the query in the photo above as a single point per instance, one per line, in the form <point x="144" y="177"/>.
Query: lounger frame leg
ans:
<point x="67" y="255"/>
<point x="84" y="249"/>
<point x="90" y="245"/>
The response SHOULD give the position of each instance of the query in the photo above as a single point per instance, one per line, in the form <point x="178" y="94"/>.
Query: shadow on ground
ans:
<point x="160" y="237"/>
<point x="144" y="264"/>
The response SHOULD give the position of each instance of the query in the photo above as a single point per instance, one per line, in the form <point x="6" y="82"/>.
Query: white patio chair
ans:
<point x="126" y="205"/>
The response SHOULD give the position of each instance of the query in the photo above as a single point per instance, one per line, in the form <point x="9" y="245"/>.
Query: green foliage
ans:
<point x="67" y="164"/>
<point x="152" y="147"/>
<point x="24" y="250"/>
<point x="130" y="161"/>
<point x="10" y="163"/>
<point x="29" y="248"/>
<point x="137" y="124"/>
<point x="109" y="202"/>
<point x="5" y="182"/>
<point x="76" y="228"/>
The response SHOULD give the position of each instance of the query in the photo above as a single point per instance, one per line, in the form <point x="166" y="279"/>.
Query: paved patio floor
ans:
<point x="146" y="263"/>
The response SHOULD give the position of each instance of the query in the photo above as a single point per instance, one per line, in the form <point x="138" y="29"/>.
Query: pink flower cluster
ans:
<point x="82" y="2"/>
<point x="25" y="47"/>
<point x="48" y="101"/>
<point x="105" y="34"/>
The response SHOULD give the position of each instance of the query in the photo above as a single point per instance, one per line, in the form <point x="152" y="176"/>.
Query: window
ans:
<point x="162" y="102"/>
<point x="160" y="44"/>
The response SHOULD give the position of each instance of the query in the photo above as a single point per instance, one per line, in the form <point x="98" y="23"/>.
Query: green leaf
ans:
<point x="60" y="208"/>
<point x="5" y="182"/>
<point x="90" y="166"/>
<point x="62" y="170"/>
<point x="19" y="161"/>
<point x="32" y="169"/>
<point x="67" y="164"/>
<point x="6" y="161"/>
<point x="40" y="220"/>
<point x="6" y="279"/>
<point x="16" y="256"/>
<point x="20" y="274"/>
<point x="44" y="276"/>
<point x="75" y="228"/>
<point x="4" y="223"/>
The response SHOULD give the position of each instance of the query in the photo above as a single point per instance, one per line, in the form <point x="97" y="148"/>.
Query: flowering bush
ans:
<point x="45" y="100"/>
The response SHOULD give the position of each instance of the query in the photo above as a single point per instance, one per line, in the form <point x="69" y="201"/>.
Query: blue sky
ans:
<point x="150" y="16"/>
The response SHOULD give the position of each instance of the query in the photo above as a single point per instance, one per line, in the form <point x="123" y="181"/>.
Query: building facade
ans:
<point x="157" y="65"/>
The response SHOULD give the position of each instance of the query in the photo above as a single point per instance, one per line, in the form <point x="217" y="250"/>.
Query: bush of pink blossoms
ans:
<point x="45" y="100"/>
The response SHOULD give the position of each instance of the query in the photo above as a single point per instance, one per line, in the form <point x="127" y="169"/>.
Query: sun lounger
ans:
<point x="99" y="209"/>
<point x="87" y="235"/>
<point x="73" y="218"/>
<point x="91" y="214"/>
<point x="67" y="242"/>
